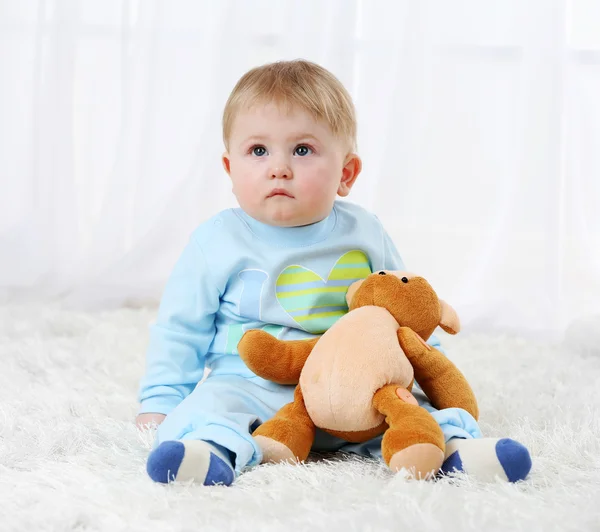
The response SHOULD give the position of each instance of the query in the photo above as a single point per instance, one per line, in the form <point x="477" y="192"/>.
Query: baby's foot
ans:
<point x="487" y="458"/>
<point x="189" y="460"/>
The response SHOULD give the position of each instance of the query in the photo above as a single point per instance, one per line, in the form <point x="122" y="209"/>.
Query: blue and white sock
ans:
<point x="488" y="458"/>
<point x="190" y="460"/>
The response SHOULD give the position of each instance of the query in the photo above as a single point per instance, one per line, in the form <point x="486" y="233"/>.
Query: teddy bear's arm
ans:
<point x="276" y="360"/>
<point x="440" y="379"/>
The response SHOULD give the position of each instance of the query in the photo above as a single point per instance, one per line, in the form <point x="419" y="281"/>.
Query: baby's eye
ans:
<point x="302" y="151"/>
<point x="259" y="151"/>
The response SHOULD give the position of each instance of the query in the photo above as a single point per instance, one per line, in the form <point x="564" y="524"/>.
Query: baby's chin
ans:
<point x="287" y="216"/>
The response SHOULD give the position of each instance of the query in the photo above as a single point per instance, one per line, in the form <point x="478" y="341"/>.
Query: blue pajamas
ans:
<point x="226" y="409"/>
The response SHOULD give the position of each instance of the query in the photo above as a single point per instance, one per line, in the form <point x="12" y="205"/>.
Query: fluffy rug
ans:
<point x="71" y="459"/>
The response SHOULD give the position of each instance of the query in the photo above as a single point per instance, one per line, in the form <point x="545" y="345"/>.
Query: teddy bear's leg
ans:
<point x="289" y="435"/>
<point x="414" y="440"/>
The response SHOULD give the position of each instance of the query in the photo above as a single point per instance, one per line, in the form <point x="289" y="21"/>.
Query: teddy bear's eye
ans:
<point x="382" y="273"/>
<point x="404" y="279"/>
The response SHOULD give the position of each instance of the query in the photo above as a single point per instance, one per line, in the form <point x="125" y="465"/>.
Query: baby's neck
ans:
<point x="295" y="236"/>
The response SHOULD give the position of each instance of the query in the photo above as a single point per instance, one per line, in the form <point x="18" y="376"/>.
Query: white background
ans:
<point x="479" y="128"/>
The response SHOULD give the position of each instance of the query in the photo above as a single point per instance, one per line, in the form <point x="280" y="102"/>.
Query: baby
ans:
<point x="281" y="262"/>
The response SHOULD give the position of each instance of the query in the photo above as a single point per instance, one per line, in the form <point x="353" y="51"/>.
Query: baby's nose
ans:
<point x="281" y="172"/>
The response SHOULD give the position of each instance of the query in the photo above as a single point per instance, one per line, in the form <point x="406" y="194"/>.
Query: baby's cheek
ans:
<point x="246" y="194"/>
<point x="320" y="183"/>
<point x="312" y="189"/>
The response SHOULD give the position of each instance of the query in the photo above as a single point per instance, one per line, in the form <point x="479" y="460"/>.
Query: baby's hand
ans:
<point x="145" y="421"/>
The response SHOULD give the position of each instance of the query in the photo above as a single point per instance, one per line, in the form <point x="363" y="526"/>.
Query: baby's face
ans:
<point x="287" y="168"/>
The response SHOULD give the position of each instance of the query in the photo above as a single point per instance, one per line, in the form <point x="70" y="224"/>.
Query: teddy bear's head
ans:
<point x="408" y="298"/>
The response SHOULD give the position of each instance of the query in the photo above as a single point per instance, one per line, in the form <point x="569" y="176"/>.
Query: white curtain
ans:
<point x="479" y="130"/>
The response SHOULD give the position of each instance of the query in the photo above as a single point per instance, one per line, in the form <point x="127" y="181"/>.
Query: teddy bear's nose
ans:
<point x="382" y="273"/>
<point x="404" y="279"/>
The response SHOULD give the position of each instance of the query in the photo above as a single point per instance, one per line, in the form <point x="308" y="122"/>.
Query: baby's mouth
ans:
<point x="279" y="192"/>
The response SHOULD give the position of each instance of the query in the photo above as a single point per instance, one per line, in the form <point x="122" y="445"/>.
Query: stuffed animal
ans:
<point x="354" y="381"/>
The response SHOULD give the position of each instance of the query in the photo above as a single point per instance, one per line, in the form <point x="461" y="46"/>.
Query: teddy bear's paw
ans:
<point x="252" y="348"/>
<point x="406" y="396"/>
<point x="274" y="451"/>
<point x="410" y="342"/>
<point x="252" y="341"/>
<point x="421" y="460"/>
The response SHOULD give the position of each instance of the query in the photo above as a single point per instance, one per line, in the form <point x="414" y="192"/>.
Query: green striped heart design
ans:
<point x="316" y="304"/>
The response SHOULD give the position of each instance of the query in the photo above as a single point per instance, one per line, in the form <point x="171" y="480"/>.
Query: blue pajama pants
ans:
<point x="226" y="409"/>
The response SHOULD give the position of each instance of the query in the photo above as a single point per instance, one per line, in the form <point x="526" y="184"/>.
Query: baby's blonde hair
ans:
<point x="297" y="84"/>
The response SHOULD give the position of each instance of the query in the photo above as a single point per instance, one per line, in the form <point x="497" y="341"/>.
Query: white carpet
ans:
<point x="71" y="459"/>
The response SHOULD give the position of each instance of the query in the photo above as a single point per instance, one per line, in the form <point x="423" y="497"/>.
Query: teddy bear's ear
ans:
<point x="352" y="289"/>
<point x="449" y="320"/>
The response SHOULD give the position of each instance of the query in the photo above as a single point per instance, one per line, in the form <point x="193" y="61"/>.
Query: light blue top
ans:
<point x="237" y="274"/>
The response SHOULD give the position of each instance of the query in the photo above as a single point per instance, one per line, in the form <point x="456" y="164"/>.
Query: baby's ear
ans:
<point x="226" y="162"/>
<point x="352" y="289"/>
<point x="352" y="167"/>
<point x="449" y="320"/>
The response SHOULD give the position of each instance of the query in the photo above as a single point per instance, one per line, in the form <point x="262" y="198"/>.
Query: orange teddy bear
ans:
<point x="354" y="381"/>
